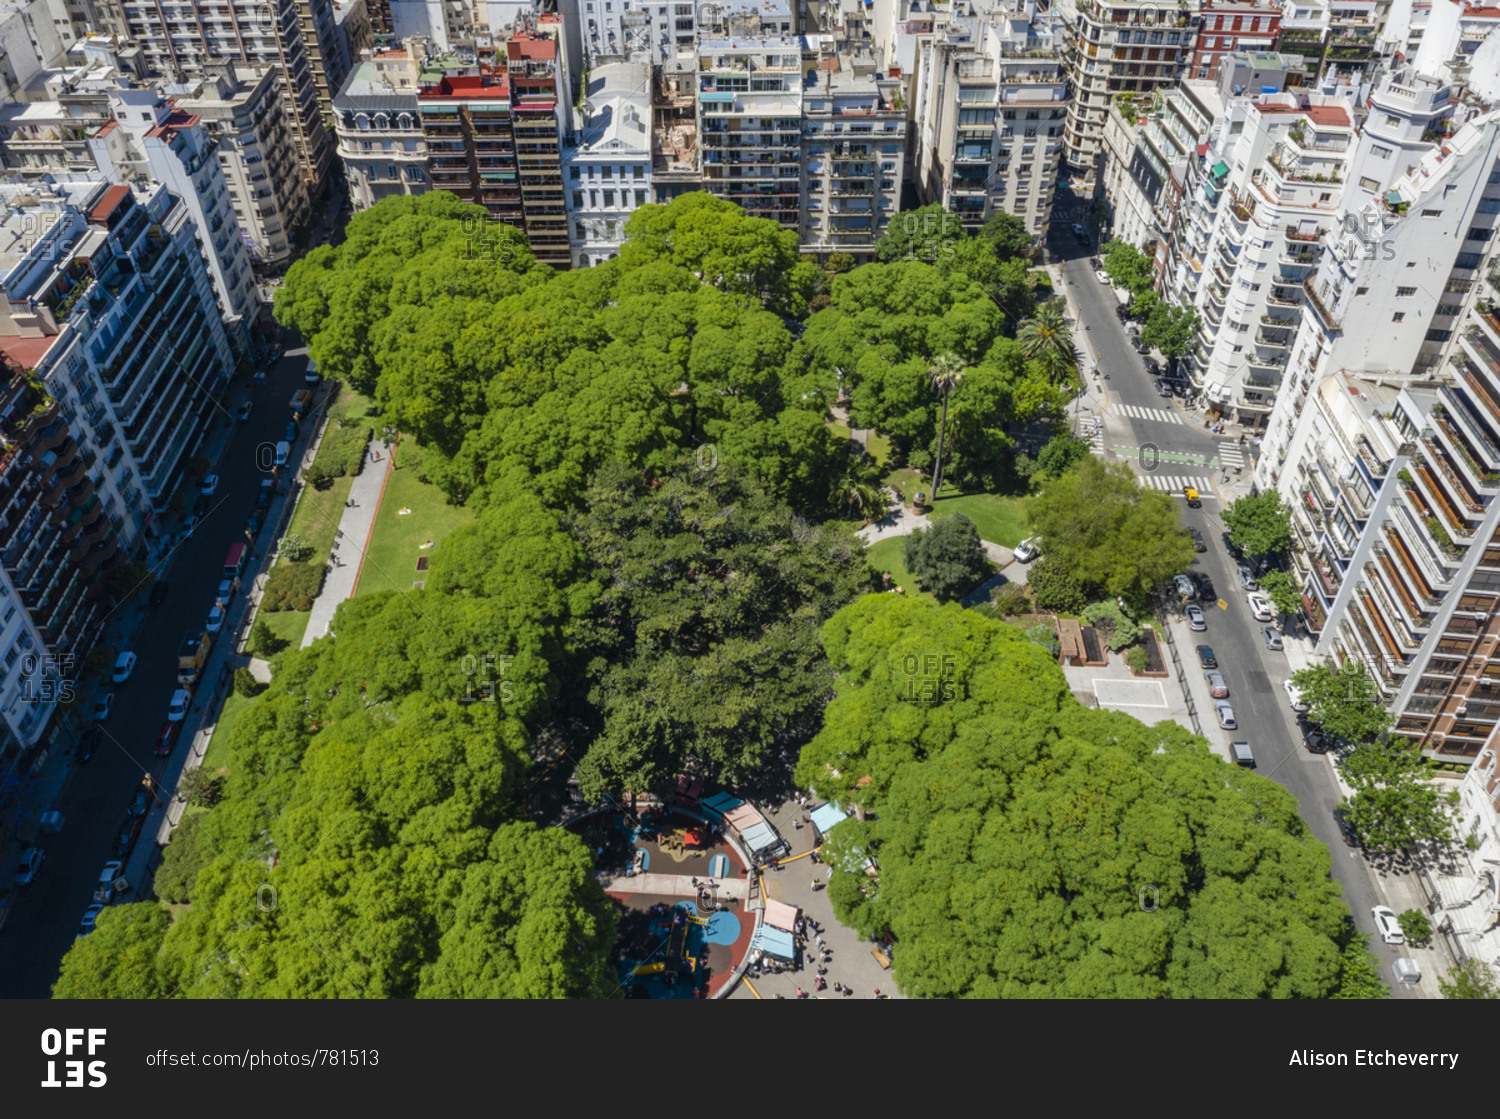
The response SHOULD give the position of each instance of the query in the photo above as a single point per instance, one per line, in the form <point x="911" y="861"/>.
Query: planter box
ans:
<point x="1156" y="664"/>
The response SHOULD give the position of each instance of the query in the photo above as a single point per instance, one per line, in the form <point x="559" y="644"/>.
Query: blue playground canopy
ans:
<point x="758" y="837"/>
<point x="720" y="803"/>
<point x="774" y="942"/>
<point x="826" y="816"/>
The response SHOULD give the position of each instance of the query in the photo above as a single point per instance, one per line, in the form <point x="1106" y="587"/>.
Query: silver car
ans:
<point x="1218" y="687"/>
<point x="1273" y="639"/>
<point x="1226" y="715"/>
<point x="1195" y="619"/>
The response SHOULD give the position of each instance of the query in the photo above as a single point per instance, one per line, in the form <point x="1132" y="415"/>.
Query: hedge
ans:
<point x="343" y="449"/>
<point x="293" y="586"/>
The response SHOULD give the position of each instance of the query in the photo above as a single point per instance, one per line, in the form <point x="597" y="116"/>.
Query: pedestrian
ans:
<point x="816" y="885"/>
<point x="801" y="994"/>
<point x="877" y="992"/>
<point x="820" y="940"/>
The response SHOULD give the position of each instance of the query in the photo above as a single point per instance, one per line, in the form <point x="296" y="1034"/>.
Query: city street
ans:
<point x="44" y="916"/>
<point x="1144" y="428"/>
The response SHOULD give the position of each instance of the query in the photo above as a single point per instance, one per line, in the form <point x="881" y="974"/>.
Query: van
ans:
<point x="1240" y="753"/>
<point x="283" y="452"/>
<point x="51" y="823"/>
<point x="300" y="400"/>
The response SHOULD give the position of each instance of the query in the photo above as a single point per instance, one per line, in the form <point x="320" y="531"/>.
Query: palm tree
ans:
<point x="945" y="372"/>
<point x="1047" y="339"/>
<point x="858" y="492"/>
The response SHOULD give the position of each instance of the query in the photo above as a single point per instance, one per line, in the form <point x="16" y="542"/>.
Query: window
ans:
<point x="1392" y="122"/>
<point x="638" y="172"/>
<point x="1325" y="196"/>
<point x="1380" y="153"/>
<point x="1432" y="213"/>
<point x="1478" y="233"/>
<point x="1438" y="335"/>
<point x="573" y="173"/>
<point x="1405" y="293"/>
<point x="1371" y="185"/>
<point x="1398" y="316"/>
<point x="578" y="200"/>
<point x="609" y="198"/>
<point x="607" y="171"/>
<point x="640" y="198"/>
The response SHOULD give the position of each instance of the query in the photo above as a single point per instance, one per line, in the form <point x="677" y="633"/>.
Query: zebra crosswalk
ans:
<point x="1231" y="454"/>
<point x="1174" y="483"/>
<point x="1136" y="412"/>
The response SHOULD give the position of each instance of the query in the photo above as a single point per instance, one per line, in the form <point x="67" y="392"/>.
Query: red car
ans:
<point x="166" y="738"/>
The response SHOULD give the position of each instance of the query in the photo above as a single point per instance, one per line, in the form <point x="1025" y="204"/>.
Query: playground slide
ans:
<point x="650" y="969"/>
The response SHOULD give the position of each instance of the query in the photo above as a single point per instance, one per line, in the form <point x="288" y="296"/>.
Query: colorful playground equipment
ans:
<point x="649" y="969"/>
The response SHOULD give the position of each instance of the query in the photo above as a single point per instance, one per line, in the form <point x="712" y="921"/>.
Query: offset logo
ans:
<point x="72" y="1044"/>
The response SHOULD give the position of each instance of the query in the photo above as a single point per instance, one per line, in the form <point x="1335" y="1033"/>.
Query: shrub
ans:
<point x="1009" y="599"/>
<point x="294" y="549"/>
<point x="1045" y="635"/>
<point x="1054" y="588"/>
<point x="1117" y="628"/>
<point x="246" y="684"/>
<point x="188" y="853"/>
<point x="293" y="586"/>
<point x="263" y="642"/>
<point x="342" y="450"/>
<point x="1415" y="925"/>
<point x="318" y="476"/>
<point x="1138" y="659"/>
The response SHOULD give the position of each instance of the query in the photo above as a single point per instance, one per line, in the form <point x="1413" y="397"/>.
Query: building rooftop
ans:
<point x="175" y="122"/>
<point x="619" y="108"/>
<point x="1327" y="116"/>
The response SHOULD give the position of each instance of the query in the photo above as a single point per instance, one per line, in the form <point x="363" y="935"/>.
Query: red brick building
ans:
<point x="1226" y="27"/>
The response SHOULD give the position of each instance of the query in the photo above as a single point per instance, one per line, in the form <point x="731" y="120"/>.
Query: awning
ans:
<point x="759" y="836"/>
<point x="720" y="803"/>
<point x="826" y="816"/>
<point x="742" y="817"/>
<point x="774" y="942"/>
<point x="780" y="915"/>
<point x="1219" y="169"/>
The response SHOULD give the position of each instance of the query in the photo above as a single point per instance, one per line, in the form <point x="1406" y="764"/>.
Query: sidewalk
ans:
<point x="353" y="540"/>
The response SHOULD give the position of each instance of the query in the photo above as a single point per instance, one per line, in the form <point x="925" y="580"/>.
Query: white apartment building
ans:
<point x="750" y="94"/>
<point x="1468" y="922"/>
<point x="854" y="138"/>
<point x="379" y="128"/>
<point x="990" y="106"/>
<point x="153" y="140"/>
<point x="608" y="170"/>
<point x="241" y="106"/>
<point x="617" y="30"/>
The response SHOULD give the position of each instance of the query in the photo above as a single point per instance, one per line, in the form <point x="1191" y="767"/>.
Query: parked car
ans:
<point x="125" y="837"/>
<point x="31" y="862"/>
<point x="1272" y="638"/>
<point x="1162" y="388"/>
<point x="263" y="498"/>
<point x="291" y="432"/>
<point x="1247" y="577"/>
<point x="1261" y="607"/>
<point x="166" y="738"/>
<point x="1225" y="715"/>
<point x="1241" y="754"/>
<point x="1195" y="620"/>
<point x="200" y="507"/>
<point x="283" y="452"/>
<point x="1095" y="262"/>
<point x="1232" y="548"/>
<point x="88" y="742"/>
<point x="1185" y="586"/>
<point x="245" y="410"/>
<point x="90" y="915"/>
<point x="254" y="521"/>
<point x="141" y="802"/>
<point x="1198" y="544"/>
<point x="210" y="484"/>
<point x="103" y="706"/>
<point x="1027" y="550"/>
<point x="1218" y="687"/>
<point x="226" y="592"/>
<point x="1316" y="741"/>
<point x="215" y="619"/>
<point x="1102" y="276"/>
<point x="1155" y="370"/>
<point x="1387" y="925"/>
<point x="159" y="592"/>
<point x="177" y="710"/>
<point x="1206" y="590"/>
<point x="1294" y="695"/>
<point x="188" y="526"/>
<point x="124" y="666"/>
<point x="1206" y="658"/>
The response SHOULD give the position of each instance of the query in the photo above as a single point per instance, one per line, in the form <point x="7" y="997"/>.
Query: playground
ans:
<point x="681" y="893"/>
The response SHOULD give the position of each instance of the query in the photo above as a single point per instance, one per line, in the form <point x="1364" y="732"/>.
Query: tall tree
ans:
<point x="1472" y="979"/>
<point x="118" y="960"/>
<point x="1259" y="524"/>
<point x="1128" y="267"/>
<point x="1101" y="526"/>
<point x="1170" y="330"/>
<point x="948" y="559"/>
<point x="1345" y="702"/>
<point x="1282" y="592"/>
<point x="1047" y="338"/>
<point x="1394" y="803"/>
<point x="945" y="372"/>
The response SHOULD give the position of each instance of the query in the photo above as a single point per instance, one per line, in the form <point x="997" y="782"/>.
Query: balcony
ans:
<point x="1292" y="233"/>
<point x="1323" y="310"/>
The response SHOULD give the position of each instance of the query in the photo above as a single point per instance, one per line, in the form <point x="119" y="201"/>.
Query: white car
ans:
<point x="225" y="594"/>
<point x="177" y="710"/>
<point x="1295" y="696"/>
<point x="1186" y="587"/>
<point x="124" y="666"/>
<point x="103" y="706"/>
<point x="187" y="527"/>
<point x="1027" y="550"/>
<point x="245" y="410"/>
<point x="215" y="619"/>
<point x="210" y="484"/>
<point x="1103" y="276"/>
<point x="1387" y="926"/>
<point x="31" y="862"/>
<point x="1226" y="715"/>
<point x="1079" y="230"/>
<point x="90" y="915"/>
<point x="1261" y="607"/>
<point x="1195" y="619"/>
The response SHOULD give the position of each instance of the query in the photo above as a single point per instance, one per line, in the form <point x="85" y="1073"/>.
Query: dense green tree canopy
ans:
<point x="118" y="960"/>
<point x="948" y="558"/>
<point x="1029" y="847"/>
<point x="1345" y="702"/>
<point x="1259" y="524"/>
<point x="1107" y="531"/>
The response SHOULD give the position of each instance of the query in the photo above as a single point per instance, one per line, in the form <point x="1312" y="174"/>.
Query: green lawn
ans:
<point x="886" y="556"/>
<point x="879" y="448"/>
<point x="216" y="757"/>
<point x="396" y="541"/>
<point x="289" y="625"/>
<point x="1000" y="520"/>
<point x="907" y="482"/>
<point x="839" y="429"/>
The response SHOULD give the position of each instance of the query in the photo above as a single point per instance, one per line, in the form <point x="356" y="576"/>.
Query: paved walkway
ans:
<point x="356" y="524"/>
<point x="674" y="885"/>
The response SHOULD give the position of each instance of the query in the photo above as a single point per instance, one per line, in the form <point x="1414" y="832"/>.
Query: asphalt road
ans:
<point x="44" y="916"/>
<point x="1254" y="673"/>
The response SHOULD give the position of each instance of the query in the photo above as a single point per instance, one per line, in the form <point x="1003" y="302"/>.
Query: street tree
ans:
<point x="1345" y="701"/>
<point x="1259" y="524"/>
<point x="1394" y="803"/>
<point x="1029" y="847"/>
<point x="947" y="559"/>
<point x="1054" y="587"/>
<point x="1359" y="976"/>
<point x="1007" y="235"/>
<point x="118" y="960"/>
<point x="1060" y="453"/>
<point x="1282" y="592"/>
<point x="1107" y="531"/>
<point x="1127" y="266"/>
<point x="1170" y="329"/>
<point x="1472" y="979"/>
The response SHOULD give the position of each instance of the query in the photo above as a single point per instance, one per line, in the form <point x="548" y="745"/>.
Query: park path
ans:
<point x="349" y="549"/>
